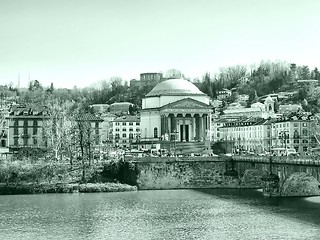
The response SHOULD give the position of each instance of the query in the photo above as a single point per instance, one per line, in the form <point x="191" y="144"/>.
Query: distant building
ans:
<point x="4" y="127"/>
<point x="257" y="110"/>
<point x="124" y="131"/>
<point x="286" y="95"/>
<point x="150" y="78"/>
<point x="223" y="94"/>
<point x="120" y="108"/>
<point x="243" y="97"/>
<point x="273" y="96"/>
<point x="260" y="135"/>
<point x="105" y="126"/>
<point x="247" y="134"/>
<point x="289" y="108"/>
<point x="100" y="108"/>
<point x="25" y="127"/>
<point x="294" y="132"/>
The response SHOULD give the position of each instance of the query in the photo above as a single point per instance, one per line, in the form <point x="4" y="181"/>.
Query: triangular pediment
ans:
<point x="186" y="103"/>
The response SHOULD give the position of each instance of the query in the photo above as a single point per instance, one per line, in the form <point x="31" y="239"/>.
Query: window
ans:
<point x="295" y="141"/>
<point x="124" y="129"/>
<point x="130" y="123"/>
<point x="124" y="124"/>
<point x="117" y="136"/>
<point x="138" y="130"/>
<point x="130" y="136"/>
<point x="304" y="141"/>
<point x="295" y="124"/>
<point x="155" y="132"/>
<point x="295" y="134"/>
<point x="117" y="123"/>
<point x="124" y="135"/>
<point x="35" y="130"/>
<point x="137" y="124"/>
<point x="16" y="141"/>
<point x="117" y="129"/>
<point x="25" y="130"/>
<point x="15" y="130"/>
<point x="305" y="132"/>
<point x="35" y="141"/>
<point x="130" y="129"/>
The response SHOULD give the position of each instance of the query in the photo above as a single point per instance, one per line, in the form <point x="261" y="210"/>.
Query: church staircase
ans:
<point x="184" y="148"/>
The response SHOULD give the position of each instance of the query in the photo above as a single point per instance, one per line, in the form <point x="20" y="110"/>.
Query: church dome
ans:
<point x="174" y="87"/>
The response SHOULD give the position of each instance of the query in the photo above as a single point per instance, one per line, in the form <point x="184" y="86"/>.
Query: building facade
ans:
<point x="25" y="127"/>
<point x="176" y="110"/>
<point x="261" y="135"/>
<point x="125" y="131"/>
<point x="150" y="78"/>
<point x="120" y="108"/>
<point x="257" y="110"/>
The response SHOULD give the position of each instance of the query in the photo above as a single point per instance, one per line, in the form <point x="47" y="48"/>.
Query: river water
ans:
<point x="163" y="214"/>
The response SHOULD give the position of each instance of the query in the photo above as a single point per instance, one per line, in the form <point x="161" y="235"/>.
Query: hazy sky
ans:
<point x="79" y="42"/>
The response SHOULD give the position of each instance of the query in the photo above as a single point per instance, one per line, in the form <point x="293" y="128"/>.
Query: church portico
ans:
<point x="184" y="127"/>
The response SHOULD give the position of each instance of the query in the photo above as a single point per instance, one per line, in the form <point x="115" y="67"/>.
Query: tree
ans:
<point x="305" y="74"/>
<point x="58" y="130"/>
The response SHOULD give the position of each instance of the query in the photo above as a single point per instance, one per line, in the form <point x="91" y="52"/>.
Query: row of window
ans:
<point x="130" y="130"/>
<point x="125" y="123"/>
<point x="25" y="123"/>
<point x="25" y="131"/>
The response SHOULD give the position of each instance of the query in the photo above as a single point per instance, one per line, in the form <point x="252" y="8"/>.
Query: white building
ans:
<point x="124" y="131"/>
<point x="257" y="110"/>
<point x="175" y="106"/>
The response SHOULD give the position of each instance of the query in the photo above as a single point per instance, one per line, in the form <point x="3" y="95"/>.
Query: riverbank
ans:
<point x="33" y="188"/>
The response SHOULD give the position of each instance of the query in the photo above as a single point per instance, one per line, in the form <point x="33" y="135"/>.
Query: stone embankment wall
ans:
<point x="199" y="172"/>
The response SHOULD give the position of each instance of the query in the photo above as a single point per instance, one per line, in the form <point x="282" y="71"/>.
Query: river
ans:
<point x="163" y="214"/>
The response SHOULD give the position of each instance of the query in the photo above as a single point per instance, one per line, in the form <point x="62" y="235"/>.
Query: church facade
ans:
<point x="175" y="110"/>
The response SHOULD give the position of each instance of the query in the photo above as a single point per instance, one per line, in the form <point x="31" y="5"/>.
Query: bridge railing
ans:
<point x="301" y="160"/>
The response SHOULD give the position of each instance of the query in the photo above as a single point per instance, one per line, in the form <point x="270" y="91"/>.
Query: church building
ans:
<point x="175" y="110"/>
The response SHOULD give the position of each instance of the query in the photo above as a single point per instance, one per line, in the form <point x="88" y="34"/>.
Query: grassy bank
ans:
<point x="50" y="176"/>
<point x="33" y="188"/>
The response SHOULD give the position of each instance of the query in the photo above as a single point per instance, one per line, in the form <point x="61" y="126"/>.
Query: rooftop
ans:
<point x="174" y="87"/>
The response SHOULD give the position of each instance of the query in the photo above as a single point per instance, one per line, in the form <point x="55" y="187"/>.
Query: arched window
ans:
<point x="155" y="132"/>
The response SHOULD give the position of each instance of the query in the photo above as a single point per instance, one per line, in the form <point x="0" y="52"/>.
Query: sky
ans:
<point x="79" y="42"/>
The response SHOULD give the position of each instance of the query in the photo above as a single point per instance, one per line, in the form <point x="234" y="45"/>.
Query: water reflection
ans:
<point x="170" y="214"/>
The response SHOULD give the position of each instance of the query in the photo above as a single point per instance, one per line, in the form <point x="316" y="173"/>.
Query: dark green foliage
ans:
<point x="122" y="171"/>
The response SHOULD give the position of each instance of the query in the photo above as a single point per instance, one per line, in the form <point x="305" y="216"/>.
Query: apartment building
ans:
<point x="261" y="135"/>
<point x="25" y="127"/>
<point x="124" y="131"/>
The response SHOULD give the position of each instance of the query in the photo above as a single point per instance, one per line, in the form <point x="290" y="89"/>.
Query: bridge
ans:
<point x="272" y="174"/>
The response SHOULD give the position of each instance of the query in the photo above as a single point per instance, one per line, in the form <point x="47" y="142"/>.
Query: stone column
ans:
<point x="200" y="127"/>
<point x="169" y="125"/>
<point x="184" y="128"/>
<point x="204" y="126"/>
<point x="193" y="127"/>
<point x="162" y="125"/>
